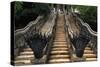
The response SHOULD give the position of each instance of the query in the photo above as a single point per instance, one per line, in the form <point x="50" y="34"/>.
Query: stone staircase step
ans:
<point x="27" y="49"/>
<point x="22" y="62"/>
<point x="59" y="45"/>
<point x="57" y="49"/>
<point x="87" y="48"/>
<point x="88" y="51"/>
<point x="59" y="52"/>
<point x="89" y="55"/>
<point x="24" y="57"/>
<point x="59" y="56"/>
<point x="60" y="40"/>
<point x="59" y="60"/>
<point x="27" y="53"/>
<point x="91" y="59"/>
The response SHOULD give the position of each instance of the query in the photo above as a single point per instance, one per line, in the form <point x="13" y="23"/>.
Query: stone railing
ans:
<point x="69" y="32"/>
<point x="22" y="34"/>
<point x="49" y="33"/>
<point x="93" y="34"/>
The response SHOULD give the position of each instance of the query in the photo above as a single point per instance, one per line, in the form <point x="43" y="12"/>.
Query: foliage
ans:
<point x="25" y="12"/>
<point x="18" y="7"/>
<point x="38" y="8"/>
<point x="88" y="14"/>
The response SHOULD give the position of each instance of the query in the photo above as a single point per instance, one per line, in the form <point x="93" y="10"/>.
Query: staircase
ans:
<point x="89" y="54"/>
<point x="59" y="51"/>
<point x="25" y="57"/>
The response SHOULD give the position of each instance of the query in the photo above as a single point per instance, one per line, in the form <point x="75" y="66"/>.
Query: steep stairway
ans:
<point x="59" y="51"/>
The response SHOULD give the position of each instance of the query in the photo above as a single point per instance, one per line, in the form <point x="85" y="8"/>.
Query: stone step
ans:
<point x="59" y="37"/>
<point x="59" y="52"/>
<point x="60" y="32"/>
<point x="24" y="57"/>
<point x="89" y="55"/>
<point x="87" y="48"/>
<point x="22" y="62"/>
<point x="88" y="51"/>
<point x="27" y="49"/>
<point x="57" y="49"/>
<point x="59" y="42"/>
<point x="91" y="59"/>
<point x="27" y="53"/>
<point x="62" y="40"/>
<point x="60" y="45"/>
<point x="59" y="56"/>
<point x="63" y="34"/>
<point x="59" y="60"/>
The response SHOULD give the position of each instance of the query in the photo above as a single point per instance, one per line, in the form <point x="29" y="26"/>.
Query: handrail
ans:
<point x="30" y="24"/>
<point x="21" y="35"/>
<point x="93" y="41"/>
<point x="51" y="37"/>
<point x="93" y="34"/>
<point x="86" y="25"/>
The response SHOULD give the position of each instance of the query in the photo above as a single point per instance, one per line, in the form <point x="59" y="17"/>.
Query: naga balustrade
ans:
<point x="49" y="33"/>
<point x="25" y="33"/>
<point x="93" y="34"/>
<point x="82" y="27"/>
<point x="33" y="28"/>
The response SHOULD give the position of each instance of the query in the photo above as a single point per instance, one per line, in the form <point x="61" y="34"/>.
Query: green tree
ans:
<point x="88" y="14"/>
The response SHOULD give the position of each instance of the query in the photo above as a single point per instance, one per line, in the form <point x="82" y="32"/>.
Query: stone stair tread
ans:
<point x="91" y="59"/>
<point x="24" y="57"/>
<point x="89" y="55"/>
<point x="27" y="49"/>
<point x="22" y="61"/>
<point x="60" y="39"/>
<point x="57" y="49"/>
<point x="87" y="48"/>
<point x="60" y="45"/>
<point x="59" y="60"/>
<point x="88" y="51"/>
<point x="60" y="42"/>
<point x="59" y="56"/>
<point x="59" y="52"/>
<point x="27" y="53"/>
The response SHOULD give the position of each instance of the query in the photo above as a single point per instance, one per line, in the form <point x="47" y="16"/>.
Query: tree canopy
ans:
<point x="88" y="14"/>
<point x="25" y="12"/>
<point x="38" y="8"/>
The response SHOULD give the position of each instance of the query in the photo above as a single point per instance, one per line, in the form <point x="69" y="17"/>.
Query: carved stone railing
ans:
<point x="70" y="34"/>
<point x="93" y="40"/>
<point x="22" y="34"/>
<point x="49" y="33"/>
